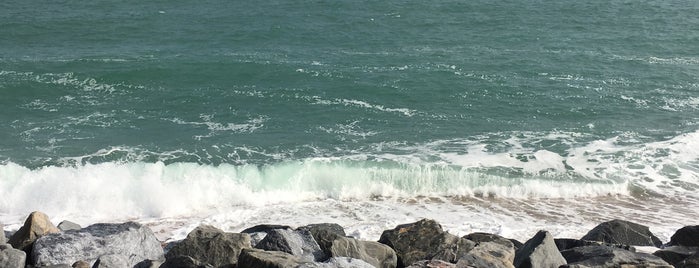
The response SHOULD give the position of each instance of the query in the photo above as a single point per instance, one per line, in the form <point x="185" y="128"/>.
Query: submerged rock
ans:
<point x="299" y="243"/>
<point x="687" y="236"/>
<point x="623" y="232"/>
<point x="374" y="253"/>
<point x="35" y="226"/>
<point x="210" y="245"/>
<point x="604" y="256"/>
<point x="424" y="240"/>
<point x="11" y="258"/>
<point x="539" y="251"/>
<point x="130" y="239"/>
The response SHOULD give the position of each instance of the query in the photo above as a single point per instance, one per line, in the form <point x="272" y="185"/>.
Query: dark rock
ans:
<point x="687" y="236"/>
<point x="53" y="266"/>
<point x="149" y="264"/>
<point x="539" y="251"/>
<point x="604" y="256"/>
<point x="80" y="264"/>
<point x="130" y="239"/>
<point x="3" y="240"/>
<point x="35" y="226"/>
<point x="494" y="254"/>
<point x="210" y="245"/>
<point x="516" y="243"/>
<point x="568" y="243"/>
<point x="486" y="237"/>
<point x="184" y="262"/>
<point x="11" y="258"/>
<point x="324" y="234"/>
<point x="112" y="261"/>
<point x="432" y="264"/>
<point x="68" y="225"/>
<point x="264" y="228"/>
<point x="424" y="240"/>
<point x="257" y="258"/>
<point x="374" y="253"/>
<point x="299" y="243"/>
<point x="623" y="232"/>
<point x="338" y="262"/>
<point x="691" y="262"/>
<point x="675" y="255"/>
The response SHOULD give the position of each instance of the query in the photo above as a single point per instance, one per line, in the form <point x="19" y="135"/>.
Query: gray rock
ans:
<point x="130" y="239"/>
<point x="604" y="256"/>
<point x="623" y="232"/>
<point x="3" y="240"/>
<point x="687" y="236"/>
<point x="210" y="245"/>
<point x="424" y="240"/>
<point x="112" y="261"/>
<point x="54" y="266"/>
<point x="338" y="262"/>
<point x="264" y="228"/>
<point x="257" y="258"/>
<point x="80" y="264"/>
<point x="12" y="258"/>
<point x="432" y="264"/>
<point x="324" y="234"/>
<point x="68" y="225"/>
<point x="35" y="226"/>
<point x="486" y="237"/>
<point x="299" y="243"/>
<point x="539" y="252"/>
<point x="493" y="254"/>
<point x="676" y="254"/>
<point x="691" y="262"/>
<point x="184" y="262"/>
<point x="568" y="243"/>
<point x="374" y="253"/>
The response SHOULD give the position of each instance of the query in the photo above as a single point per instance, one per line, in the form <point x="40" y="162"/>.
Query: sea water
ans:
<point x="504" y="117"/>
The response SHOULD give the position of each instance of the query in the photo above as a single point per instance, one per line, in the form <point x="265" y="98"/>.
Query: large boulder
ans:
<point x="687" y="236"/>
<point x="424" y="240"/>
<point x="130" y="239"/>
<point x="374" y="253"/>
<point x="211" y="245"/>
<point x="299" y="243"/>
<point x="690" y="262"/>
<point x="11" y="258"/>
<point x="324" y="234"/>
<point x="675" y="254"/>
<point x="568" y="243"/>
<point x="338" y="262"/>
<point x="494" y="254"/>
<point x="258" y="232"/>
<point x="539" y="252"/>
<point x="257" y="258"/>
<point x="35" y="226"/>
<point x="604" y="256"/>
<point x="623" y="232"/>
<point x="184" y="262"/>
<point x="112" y="261"/>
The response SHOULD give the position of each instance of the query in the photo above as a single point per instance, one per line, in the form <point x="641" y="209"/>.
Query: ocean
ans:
<point x="504" y="117"/>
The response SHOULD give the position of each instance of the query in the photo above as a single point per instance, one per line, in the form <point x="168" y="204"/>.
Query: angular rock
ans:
<point x="210" y="245"/>
<point x="112" y="261"/>
<point x="568" y="243"/>
<point x="493" y="254"/>
<point x="539" y="251"/>
<point x="80" y="264"/>
<point x="623" y="232"/>
<point x="687" y="236"/>
<point x="35" y="226"/>
<point x="149" y="264"/>
<point x="486" y="237"/>
<point x="11" y="258"/>
<point x="516" y="243"/>
<point x="676" y="254"/>
<point x="424" y="240"/>
<point x="324" y="234"/>
<point x="257" y="258"/>
<point x="374" y="253"/>
<point x="299" y="243"/>
<point x="184" y="262"/>
<point x="338" y="262"/>
<point x="604" y="256"/>
<point x="68" y="225"/>
<point x="691" y="262"/>
<point x="130" y="239"/>
<point x="264" y="228"/>
<point x="432" y="264"/>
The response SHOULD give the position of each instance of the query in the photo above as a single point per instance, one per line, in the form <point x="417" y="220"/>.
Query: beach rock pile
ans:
<point x="422" y="244"/>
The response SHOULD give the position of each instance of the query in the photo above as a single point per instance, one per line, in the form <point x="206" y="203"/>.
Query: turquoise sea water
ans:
<point x="347" y="100"/>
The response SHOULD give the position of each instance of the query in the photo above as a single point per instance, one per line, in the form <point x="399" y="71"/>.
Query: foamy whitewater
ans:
<point x="498" y="117"/>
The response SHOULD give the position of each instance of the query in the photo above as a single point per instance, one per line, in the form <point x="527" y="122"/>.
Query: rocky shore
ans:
<point x="419" y="244"/>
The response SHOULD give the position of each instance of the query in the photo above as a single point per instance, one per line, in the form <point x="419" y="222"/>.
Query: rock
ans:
<point x="568" y="243"/>
<point x="299" y="243"/>
<point x="691" y="262"/>
<point x="12" y="258"/>
<point x="264" y="228"/>
<point x="338" y="262"/>
<point x="623" y="232"/>
<point x="516" y="243"/>
<point x="486" y="237"/>
<point x="3" y="240"/>
<point x="539" y="251"/>
<point x="68" y="225"/>
<point x="687" y="236"/>
<point x="112" y="261"/>
<point x="130" y="239"/>
<point x="493" y="254"/>
<point x="257" y="258"/>
<point x="604" y="256"/>
<point x="210" y="245"/>
<point x="53" y="266"/>
<point x="80" y="264"/>
<point x="374" y="253"/>
<point x="432" y="264"/>
<point x="324" y="234"/>
<point x="424" y="240"/>
<point x="149" y="264"/>
<point x="676" y="254"/>
<point x="35" y="226"/>
<point x="184" y="262"/>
